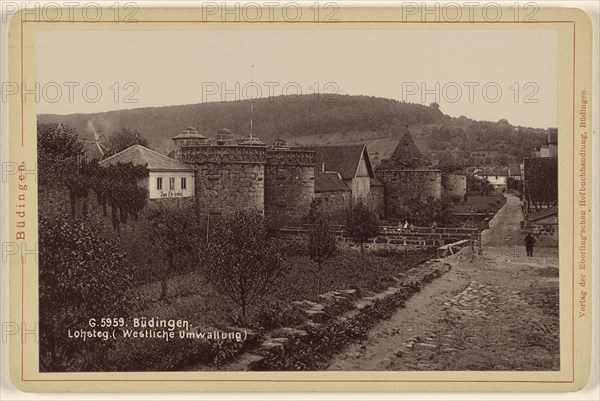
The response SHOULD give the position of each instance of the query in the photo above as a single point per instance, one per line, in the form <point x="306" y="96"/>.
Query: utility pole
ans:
<point x="252" y="107"/>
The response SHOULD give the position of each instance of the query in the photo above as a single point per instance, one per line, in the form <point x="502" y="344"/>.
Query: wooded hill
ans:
<point x="318" y="119"/>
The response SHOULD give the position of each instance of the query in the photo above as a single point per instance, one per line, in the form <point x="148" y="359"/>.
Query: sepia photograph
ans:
<point x="236" y="203"/>
<point x="320" y="203"/>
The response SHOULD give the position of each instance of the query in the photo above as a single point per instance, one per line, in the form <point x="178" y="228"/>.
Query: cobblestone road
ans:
<point x="496" y="311"/>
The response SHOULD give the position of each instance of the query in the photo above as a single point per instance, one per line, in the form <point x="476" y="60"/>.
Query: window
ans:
<point x="183" y="183"/>
<point x="159" y="183"/>
<point x="172" y="183"/>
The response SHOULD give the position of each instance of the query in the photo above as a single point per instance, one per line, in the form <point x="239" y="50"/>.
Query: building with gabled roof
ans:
<point x="330" y="181"/>
<point x="351" y="162"/>
<point x="167" y="178"/>
<point x="497" y="176"/>
<point x="543" y="214"/>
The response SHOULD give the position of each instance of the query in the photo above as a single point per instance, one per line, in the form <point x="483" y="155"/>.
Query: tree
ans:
<point x="321" y="240"/>
<point x="175" y="231"/>
<point x="59" y="148"/>
<point x="58" y="141"/>
<point x="478" y="186"/>
<point x="424" y="212"/>
<point x="81" y="275"/>
<point x="60" y="164"/>
<point x="241" y="260"/>
<point x="515" y="185"/>
<point x="447" y="162"/>
<point x="361" y="224"/>
<point x="121" y="140"/>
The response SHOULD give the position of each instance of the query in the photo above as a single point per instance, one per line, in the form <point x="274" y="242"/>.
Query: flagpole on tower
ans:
<point x="251" y="104"/>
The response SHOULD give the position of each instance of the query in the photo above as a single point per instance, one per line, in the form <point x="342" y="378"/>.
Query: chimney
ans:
<point x="97" y="141"/>
<point x="323" y="166"/>
<point x="97" y="136"/>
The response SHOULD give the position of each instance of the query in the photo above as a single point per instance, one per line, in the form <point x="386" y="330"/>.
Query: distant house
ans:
<point x="497" y="176"/>
<point x="351" y="162"/>
<point x="167" y="177"/>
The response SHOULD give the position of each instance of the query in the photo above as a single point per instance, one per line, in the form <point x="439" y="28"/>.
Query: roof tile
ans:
<point x="341" y="158"/>
<point x="329" y="181"/>
<point x="543" y="213"/>
<point x="139" y="155"/>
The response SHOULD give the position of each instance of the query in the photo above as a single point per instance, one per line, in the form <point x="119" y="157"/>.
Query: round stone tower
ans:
<point x="407" y="175"/>
<point x="402" y="185"/>
<point x="229" y="174"/>
<point x="289" y="184"/>
<point x="455" y="186"/>
<point x="188" y="137"/>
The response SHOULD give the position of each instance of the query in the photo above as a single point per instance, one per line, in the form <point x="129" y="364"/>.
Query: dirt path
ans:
<point x="498" y="311"/>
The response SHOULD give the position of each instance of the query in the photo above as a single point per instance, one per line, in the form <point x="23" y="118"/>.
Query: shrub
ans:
<point x="361" y="223"/>
<point x="82" y="275"/>
<point x="295" y="249"/>
<point x="425" y="212"/>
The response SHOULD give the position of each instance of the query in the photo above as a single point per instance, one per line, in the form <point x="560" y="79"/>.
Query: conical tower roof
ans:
<point x="406" y="154"/>
<point x="189" y="133"/>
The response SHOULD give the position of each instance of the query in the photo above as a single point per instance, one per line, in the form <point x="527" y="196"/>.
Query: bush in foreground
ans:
<point x="82" y="275"/>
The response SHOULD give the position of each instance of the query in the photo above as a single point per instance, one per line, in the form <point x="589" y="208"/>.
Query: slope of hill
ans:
<point x="311" y="119"/>
<point x="273" y="117"/>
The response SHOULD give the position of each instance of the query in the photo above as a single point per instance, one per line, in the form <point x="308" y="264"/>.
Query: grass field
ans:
<point x="191" y="298"/>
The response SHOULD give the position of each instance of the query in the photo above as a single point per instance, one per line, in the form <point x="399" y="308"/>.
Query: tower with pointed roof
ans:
<point x="406" y="154"/>
<point x="407" y="175"/>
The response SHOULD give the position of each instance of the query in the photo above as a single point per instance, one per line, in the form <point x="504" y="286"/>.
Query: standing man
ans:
<point x="529" y="241"/>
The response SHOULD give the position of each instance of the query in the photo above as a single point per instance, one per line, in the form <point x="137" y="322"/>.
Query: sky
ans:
<point x="482" y="74"/>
